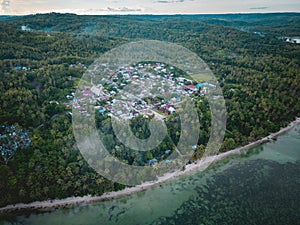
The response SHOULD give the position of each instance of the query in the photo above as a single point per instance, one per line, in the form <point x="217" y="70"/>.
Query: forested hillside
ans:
<point x="40" y="66"/>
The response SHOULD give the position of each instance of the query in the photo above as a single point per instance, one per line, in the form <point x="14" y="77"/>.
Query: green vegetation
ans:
<point x="259" y="77"/>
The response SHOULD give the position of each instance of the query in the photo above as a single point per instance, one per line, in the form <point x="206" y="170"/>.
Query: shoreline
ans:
<point x="196" y="166"/>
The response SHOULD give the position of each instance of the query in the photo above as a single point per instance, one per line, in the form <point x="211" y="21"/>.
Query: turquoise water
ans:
<point x="261" y="186"/>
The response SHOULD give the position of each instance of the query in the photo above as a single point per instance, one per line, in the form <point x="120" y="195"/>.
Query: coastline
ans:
<point x="197" y="166"/>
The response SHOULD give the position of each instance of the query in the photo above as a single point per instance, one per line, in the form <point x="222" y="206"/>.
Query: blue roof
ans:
<point x="199" y="85"/>
<point x="152" y="161"/>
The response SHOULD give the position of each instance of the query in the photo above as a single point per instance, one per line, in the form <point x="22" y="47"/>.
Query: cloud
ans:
<point x="21" y="7"/>
<point x="105" y="10"/>
<point x="5" y="6"/>
<point x="171" y="1"/>
<point x="264" y="7"/>
<point x="123" y="9"/>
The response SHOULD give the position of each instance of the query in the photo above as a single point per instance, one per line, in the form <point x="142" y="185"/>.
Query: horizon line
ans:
<point x="149" y="14"/>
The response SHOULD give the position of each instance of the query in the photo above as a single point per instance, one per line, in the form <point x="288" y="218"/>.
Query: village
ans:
<point x="142" y="89"/>
<point x="12" y="138"/>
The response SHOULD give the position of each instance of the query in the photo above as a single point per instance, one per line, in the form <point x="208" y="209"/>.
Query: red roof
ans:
<point x="87" y="92"/>
<point x="169" y="106"/>
<point x="191" y="86"/>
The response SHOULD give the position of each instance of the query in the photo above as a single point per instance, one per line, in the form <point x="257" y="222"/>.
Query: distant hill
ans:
<point x="278" y="24"/>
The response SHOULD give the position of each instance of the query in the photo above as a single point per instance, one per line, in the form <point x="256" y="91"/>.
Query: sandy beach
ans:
<point x="197" y="166"/>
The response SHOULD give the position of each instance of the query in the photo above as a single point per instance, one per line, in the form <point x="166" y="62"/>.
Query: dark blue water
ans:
<point x="261" y="186"/>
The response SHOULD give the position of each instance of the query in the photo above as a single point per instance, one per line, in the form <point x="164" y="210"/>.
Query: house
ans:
<point x="126" y="75"/>
<point x="102" y="111"/>
<point x="293" y="40"/>
<point x="87" y="92"/>
<point x="170" y="108"/>
<point x="152" y="162"/>
<point x="212" y="85"/>
<point x="76" y="105"/>
<point x="25" y="28"/>
<point x="191" y="87"/>
<point x="55" y="102"/>
<point x="199" y="85"/>
<point x="180" y="79"/>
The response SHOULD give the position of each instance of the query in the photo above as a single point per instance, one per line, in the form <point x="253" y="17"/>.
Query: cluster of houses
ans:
<point x="25" y="28"/>
<point x="19" y="68"/>
<point x="12" y="138"/>
<point x="259" y="33"/>
<point x="154" y="161"/>
<point x="80" y="65"/>
<point x="294" y="40"/>
<point x="145" y="89"/>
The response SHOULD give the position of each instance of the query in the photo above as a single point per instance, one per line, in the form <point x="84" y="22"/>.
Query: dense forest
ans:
<point x="43" y="63"/>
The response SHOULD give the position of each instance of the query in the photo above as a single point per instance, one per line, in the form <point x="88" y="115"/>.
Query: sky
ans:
<point x="103" y="7"/>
